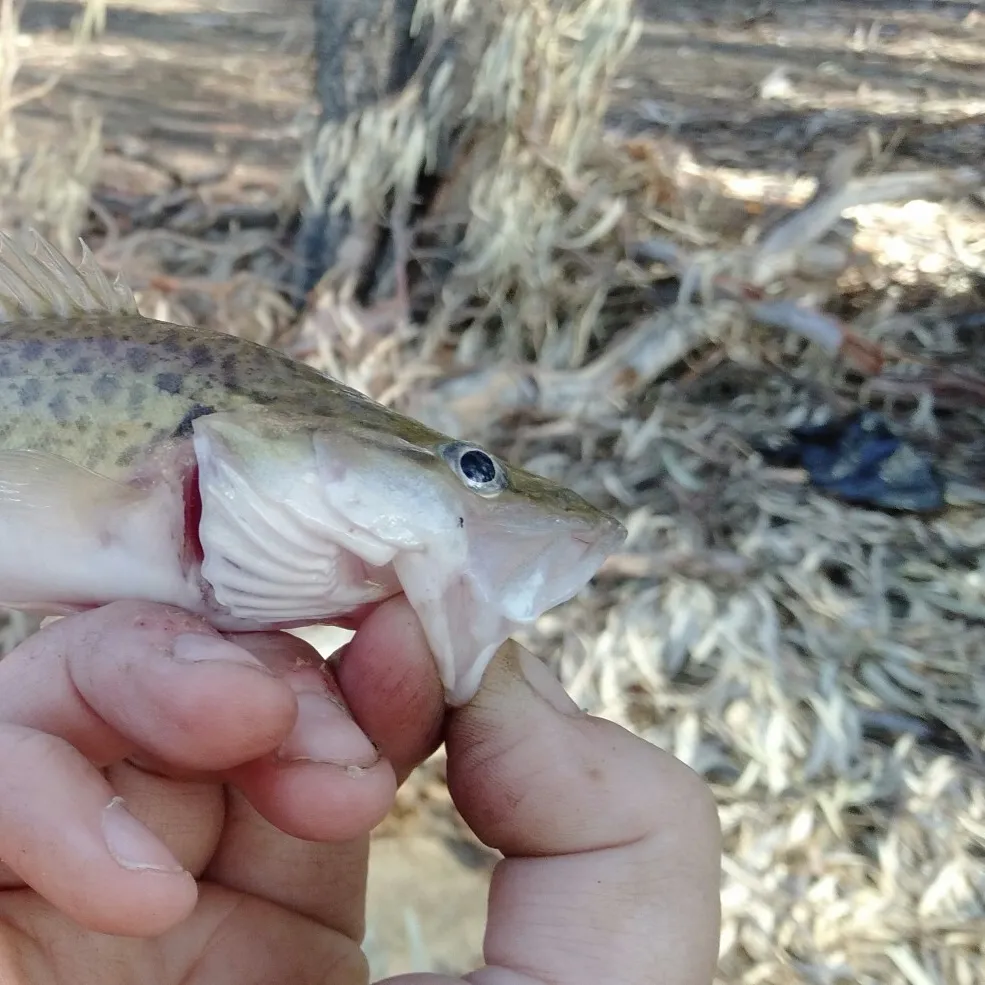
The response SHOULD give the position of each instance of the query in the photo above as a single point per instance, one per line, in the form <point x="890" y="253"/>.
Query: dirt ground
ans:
<point x="205" y="86"/>
<point x="757" y="84"/>
<point x="779" y="85"/>
<point x="217" y="93"/>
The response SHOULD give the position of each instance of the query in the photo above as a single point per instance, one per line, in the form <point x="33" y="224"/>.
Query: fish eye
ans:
<point x="476" y="468"/>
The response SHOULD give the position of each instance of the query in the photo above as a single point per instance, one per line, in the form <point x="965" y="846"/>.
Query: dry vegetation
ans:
<point x="623" y="286"/>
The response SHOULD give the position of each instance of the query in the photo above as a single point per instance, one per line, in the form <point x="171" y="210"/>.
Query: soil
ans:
<point x="202" y="87"/>
<point x="780" y="85"/>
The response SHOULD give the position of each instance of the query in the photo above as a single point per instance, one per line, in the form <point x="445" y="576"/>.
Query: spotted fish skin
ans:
<point x="118" y="384"/>
<point x="145" y="459"/>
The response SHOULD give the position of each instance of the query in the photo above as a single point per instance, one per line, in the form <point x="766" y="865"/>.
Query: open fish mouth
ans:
<point x="472" y="599"/>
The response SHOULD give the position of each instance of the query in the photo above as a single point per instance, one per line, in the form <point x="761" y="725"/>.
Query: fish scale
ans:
<point x="144" y="459"/>
<point x="121" y="383"/>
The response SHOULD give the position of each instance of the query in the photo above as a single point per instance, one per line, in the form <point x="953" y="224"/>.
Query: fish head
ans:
<point x="477" y="546"/>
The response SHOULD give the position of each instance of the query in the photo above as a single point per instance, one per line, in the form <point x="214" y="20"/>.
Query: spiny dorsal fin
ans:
<point x="42" y="282"/>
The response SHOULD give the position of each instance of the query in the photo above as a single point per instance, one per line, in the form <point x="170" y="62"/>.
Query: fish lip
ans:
<point x="555" y="556"/>
<point x="590" y="526"/>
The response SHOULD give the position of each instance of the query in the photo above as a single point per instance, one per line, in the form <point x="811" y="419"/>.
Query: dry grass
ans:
<point x="820" y="664"/>
<point x="45" y="185"/>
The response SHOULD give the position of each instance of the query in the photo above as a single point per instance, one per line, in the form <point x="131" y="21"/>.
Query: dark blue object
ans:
<point x="860" y="460"/>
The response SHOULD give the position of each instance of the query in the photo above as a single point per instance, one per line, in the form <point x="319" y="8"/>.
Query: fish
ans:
<point x="146" y="460"/>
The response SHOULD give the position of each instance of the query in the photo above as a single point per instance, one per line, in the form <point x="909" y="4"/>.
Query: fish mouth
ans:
<point x="511" y="574"/>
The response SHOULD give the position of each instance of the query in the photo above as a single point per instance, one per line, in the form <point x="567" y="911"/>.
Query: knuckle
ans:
<point x="698" y="808"/>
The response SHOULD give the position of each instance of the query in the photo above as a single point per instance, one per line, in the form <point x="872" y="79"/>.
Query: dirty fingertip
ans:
<point x="515" y="674"/>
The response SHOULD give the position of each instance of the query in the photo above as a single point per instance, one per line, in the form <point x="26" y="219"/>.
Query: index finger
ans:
<point x="390" y="685"/>
<point x="100" y="681"/>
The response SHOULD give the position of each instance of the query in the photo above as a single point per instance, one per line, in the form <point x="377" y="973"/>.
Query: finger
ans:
<point x="157" y="685"/>
<point x="231" y="940"/>
<point x="389" y="680"/>
<point x="612" y="846"/>
<point x="254" y="941"/>
<point x="65" y="833"/>
<point x="133" y="677"/>
<point x="327" y="781"/>
<point x="324" y="882"/>
<point x="187" y="816"/>
<point x="391" y="684"/>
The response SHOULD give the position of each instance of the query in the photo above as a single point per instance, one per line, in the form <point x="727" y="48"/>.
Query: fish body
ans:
<point x="141" y="459"/>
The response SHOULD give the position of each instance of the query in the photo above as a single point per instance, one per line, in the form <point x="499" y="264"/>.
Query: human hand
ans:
<point x="260" y="791"/>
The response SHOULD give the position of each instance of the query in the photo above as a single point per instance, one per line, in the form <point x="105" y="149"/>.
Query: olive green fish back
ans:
<point x="85" y="376"/>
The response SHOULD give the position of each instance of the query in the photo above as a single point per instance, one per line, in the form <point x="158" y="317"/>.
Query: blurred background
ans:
<point x="720" y="267"/>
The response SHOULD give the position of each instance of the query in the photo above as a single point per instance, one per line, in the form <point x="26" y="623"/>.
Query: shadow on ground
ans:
<point x="782" y="85"/>
<point x="231" y="81"/>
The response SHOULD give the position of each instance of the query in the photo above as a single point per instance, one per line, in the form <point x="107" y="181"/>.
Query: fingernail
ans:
<point x="196" y="648"/>
<point x="544" y="683"/>
<point x="132" y="845"/>
<point x="324" y="733"/>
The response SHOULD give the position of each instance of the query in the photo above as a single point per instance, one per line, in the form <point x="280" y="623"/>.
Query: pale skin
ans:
<point x="257" y="790"/>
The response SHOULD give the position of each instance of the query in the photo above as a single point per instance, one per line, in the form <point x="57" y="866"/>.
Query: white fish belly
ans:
<point x="72" y="539"/>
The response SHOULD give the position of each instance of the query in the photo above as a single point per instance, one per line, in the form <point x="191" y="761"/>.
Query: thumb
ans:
<point x="612" y="846"/>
